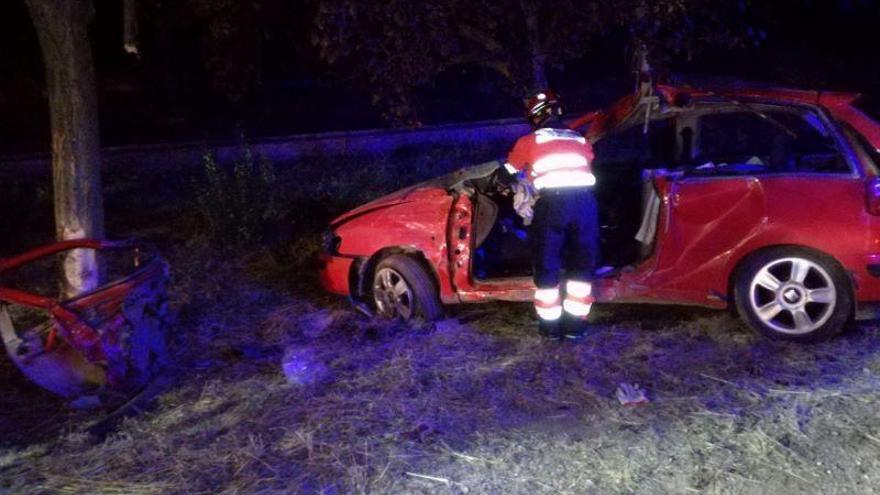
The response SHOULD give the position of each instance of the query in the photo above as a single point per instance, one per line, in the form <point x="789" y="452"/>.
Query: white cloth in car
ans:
<point x="651" y="211"/>
<point x="524" y="198"/>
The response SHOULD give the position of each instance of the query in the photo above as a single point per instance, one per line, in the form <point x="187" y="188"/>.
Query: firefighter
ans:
<point x="554" y="161"/>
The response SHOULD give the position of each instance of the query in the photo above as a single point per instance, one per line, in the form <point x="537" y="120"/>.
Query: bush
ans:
<point x="238" y="202"/>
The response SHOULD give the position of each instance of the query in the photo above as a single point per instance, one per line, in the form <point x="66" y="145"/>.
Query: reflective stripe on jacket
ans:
<point x="553" y="158"/>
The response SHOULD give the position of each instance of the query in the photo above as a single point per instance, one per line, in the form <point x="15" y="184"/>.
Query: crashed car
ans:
<point x="762" y="199"/>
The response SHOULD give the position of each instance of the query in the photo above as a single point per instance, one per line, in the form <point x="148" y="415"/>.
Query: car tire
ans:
<point x="402" y="288"/>
<point x="794" y="294"/>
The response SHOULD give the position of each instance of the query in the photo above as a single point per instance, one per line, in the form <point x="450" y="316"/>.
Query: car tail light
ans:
<point x="873" y="196"/>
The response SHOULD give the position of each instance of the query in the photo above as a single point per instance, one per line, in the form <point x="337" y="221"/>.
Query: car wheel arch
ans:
<point x="361" y="275"/>
<point x="743" y="260"/>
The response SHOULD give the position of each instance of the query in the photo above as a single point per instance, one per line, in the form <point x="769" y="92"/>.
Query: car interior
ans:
<point x="712" y="140"/>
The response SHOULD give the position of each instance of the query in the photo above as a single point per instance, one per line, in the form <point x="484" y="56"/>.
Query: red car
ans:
<point x="762" y="199"/>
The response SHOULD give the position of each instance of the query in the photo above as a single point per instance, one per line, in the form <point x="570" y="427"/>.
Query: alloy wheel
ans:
<point x="392" y="294"/>
<point x="792" y="295"/>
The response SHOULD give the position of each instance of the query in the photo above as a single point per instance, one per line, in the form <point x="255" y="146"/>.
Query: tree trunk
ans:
<point x="537" y="57"/>
<point x="62" y="28"/>
<point x="539" y="71"/>
<point x="129" y="27"/>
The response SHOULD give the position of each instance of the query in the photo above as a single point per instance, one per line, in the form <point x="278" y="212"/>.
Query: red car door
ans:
<point x="707" y="218"/>
<point x="764" y="181"/>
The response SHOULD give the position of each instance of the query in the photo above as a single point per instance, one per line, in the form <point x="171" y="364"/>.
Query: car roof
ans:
<point x="758" y="91"/>
<point x="603" y="120"/>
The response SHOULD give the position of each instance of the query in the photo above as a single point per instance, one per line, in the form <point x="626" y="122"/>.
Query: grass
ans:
<point x="473" y="404"/>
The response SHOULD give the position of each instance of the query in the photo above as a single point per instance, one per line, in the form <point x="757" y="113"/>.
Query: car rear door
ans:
<point x="757" y="178"/>
<point x="706" y="218"/>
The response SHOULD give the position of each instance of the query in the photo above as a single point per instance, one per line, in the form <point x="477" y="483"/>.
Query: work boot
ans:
<point x="550" y="330"/>
<point x="574" y="329"/>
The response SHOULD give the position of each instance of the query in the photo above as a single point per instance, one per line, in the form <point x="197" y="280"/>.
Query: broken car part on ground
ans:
<point x="108" y="339"/>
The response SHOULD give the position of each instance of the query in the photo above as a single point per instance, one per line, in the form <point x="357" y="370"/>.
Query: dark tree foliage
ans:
<point x="229" y="38"/>
<point x="828" y="43"/>
<point x="232" y="36"/>
<point x="396" y="45"/>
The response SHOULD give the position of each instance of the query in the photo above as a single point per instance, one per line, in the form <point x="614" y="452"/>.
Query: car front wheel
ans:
<point x="403" y="289"/>
<point x="794" y="294"/>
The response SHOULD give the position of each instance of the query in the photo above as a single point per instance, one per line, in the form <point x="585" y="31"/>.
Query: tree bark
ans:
<point x="539" y="71"/>
<point x="62" y="28"/>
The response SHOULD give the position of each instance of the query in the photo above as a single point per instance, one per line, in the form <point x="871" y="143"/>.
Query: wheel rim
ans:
<point x="793" y="295"/>
<point x="392" y="294"/>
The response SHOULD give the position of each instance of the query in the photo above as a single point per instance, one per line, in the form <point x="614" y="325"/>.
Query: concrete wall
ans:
<point x="288" y="148"/>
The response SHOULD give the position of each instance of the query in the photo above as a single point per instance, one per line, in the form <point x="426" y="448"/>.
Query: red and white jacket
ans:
<point x="553" y="158"/>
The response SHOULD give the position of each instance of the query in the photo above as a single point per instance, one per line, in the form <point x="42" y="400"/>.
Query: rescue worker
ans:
<point x="555" y="161"/>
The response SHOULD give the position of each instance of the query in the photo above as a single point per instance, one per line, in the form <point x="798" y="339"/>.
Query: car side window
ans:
<point x="771" y="142"/>
<point x="633" y="148"/>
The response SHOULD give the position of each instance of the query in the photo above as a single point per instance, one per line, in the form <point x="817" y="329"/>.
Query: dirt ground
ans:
<point x="473" y="404"/>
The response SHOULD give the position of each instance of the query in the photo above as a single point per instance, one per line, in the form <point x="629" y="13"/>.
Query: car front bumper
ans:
<point x="335" y="271"/>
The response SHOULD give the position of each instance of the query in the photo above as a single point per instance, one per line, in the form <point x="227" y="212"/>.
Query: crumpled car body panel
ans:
<point x="106" y="338"/>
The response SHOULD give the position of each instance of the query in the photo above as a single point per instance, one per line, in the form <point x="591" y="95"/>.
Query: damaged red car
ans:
<point x="765" y="200"/>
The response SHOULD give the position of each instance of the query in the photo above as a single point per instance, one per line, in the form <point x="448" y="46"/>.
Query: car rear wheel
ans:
<point x="403" y="289"/>
<point x="794" y="294"/>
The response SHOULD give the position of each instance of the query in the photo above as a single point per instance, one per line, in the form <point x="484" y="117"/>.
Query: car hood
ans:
<point x="441" y="185"/>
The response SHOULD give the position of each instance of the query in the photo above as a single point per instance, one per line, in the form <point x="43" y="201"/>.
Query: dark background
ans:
<point x="168" y="94"/>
